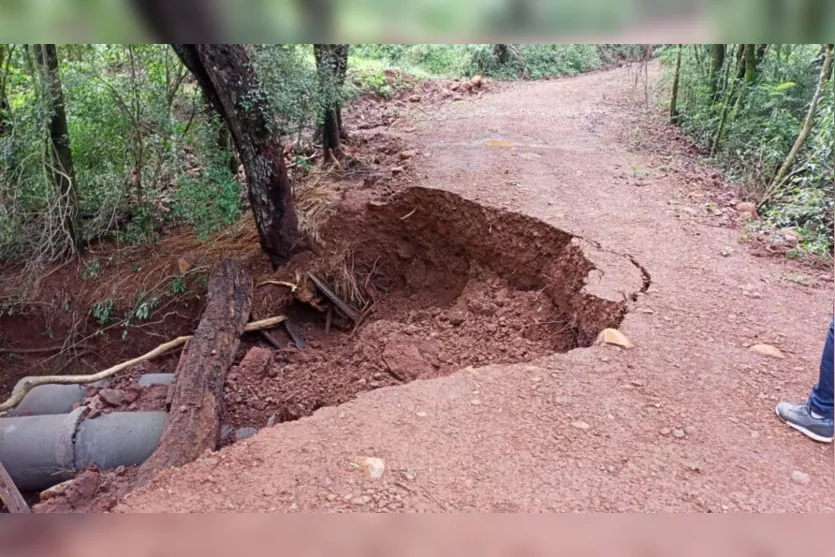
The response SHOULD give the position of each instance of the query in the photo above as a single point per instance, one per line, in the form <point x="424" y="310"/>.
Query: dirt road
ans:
<point x="684" y="422"/>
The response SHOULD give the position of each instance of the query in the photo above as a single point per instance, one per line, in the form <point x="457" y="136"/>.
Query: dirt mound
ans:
<point x="446" y="282"/>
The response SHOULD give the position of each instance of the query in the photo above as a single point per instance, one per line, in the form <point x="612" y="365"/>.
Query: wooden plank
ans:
<point x="10" y="494"/>
<point x="349" y="312"/>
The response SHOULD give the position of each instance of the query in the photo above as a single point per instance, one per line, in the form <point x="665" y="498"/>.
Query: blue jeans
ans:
<point x="821" y="397"/>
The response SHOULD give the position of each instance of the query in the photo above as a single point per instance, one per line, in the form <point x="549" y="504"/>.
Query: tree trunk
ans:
<point x="828" y="75"/>
<point x="761" y="50"/>
<point x="226" y="75"/>
<point x="331" y="65"/>
<point x="723" y="115"/>
<point x="750" y="63"/>
<point x="4" y="103"/>
<point x="502" y="53"/>
<point x="674" y="116"/>
<point x="194" y="418"/>
<point x="740" y="61"/>
<point x="716" y="63"/>
<point x="223" y="139"/>
<point x="806" y="129"/>
<point x="60" y="155"/>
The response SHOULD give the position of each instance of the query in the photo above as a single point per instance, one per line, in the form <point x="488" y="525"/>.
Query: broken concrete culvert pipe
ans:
<point x="42" y="451"/>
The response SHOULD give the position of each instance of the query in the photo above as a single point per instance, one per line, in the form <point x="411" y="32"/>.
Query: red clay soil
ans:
<point x="682" y="422"/>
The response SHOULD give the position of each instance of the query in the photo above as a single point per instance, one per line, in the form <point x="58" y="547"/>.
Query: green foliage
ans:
<point x="103" y="311"/>
<point x="210" y="199"/>
<point x="465" y="60"/>
<point x="763" y="120"/>
<point x="288" y="74"/>
<point x="178" y="285"/>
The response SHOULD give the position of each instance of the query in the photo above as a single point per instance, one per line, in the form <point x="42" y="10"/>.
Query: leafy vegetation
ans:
<point x="747" y="105"/>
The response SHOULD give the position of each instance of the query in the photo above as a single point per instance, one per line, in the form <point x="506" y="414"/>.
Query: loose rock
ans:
<point x="615" y="338"/>
<point x="255" y="362"/>
<point x="580" y="425"/>
<point x="800" y="478"/>
<point x="768" y="350"/>
<point x="112" y="397"/>
<point x="374" y="467"/>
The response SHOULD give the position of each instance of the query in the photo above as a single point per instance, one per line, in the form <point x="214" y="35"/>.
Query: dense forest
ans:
<point x="764" y="113"/>
<point x="124" y="142"/>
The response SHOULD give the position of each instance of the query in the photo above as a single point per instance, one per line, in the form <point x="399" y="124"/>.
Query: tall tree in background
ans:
<point x="674" y="116"/>
<point x="826" y="70"/>
<point x="717" y="61"/>
<point x="332" y="65"/>
<point x="228" y="79"/>
<point x="59" y="154"/>
<point x="502" y="53"/>
<point x="750" y="57"/>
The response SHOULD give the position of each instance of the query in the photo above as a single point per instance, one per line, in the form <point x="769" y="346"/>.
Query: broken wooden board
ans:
<point x="343" y="306"/>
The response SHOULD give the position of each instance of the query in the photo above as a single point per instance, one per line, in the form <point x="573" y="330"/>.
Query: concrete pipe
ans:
<point x="41" y="451"/>
<point x="151" y="379"/>
<point x="47" y="399"/>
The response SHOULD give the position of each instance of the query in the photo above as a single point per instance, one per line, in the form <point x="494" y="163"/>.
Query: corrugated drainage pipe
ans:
<point x="41" y="451"/>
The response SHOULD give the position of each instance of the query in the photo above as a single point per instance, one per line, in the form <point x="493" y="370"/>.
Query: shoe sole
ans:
<point x="803" y="430"/>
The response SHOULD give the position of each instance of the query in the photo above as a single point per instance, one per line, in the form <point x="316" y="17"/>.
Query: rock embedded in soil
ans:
<point x="405" y="361"/>
<point x="614" y="337"/>
<point x="768" y="350"/>
<point x="373" y="467"/>
<point x="800" y="478"/>
<point x="113" y="397"/>
<point x="255" y="362"/>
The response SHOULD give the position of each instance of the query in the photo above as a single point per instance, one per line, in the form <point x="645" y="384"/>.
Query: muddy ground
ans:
<point x="503" y="418"/>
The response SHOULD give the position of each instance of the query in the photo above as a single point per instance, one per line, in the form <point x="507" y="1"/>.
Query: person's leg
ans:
<point x="814" y="418"/>
<point x="822" y="394"/>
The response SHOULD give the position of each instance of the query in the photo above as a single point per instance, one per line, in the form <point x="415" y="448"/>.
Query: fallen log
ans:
<point x="194" y="419"/>
<point x="163" y="348"/>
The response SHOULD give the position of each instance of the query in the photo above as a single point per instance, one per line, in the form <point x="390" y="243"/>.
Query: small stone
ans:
<point x="615" y="338"/>
<point x="183" y="408"/>
<point x="678" y="433"/>
<point x="421" y="414"/>
<point x="637" y="383"/>
<point x="207" y="462"/>
<point x="580" y="425"/>
<point x="271" y="421"/>
<point x="800" y="478"/>
<point x="690" y="430"/>
<point x="112" y="397"/>
<point x="755" y="435"/>
<point x="664" y="431"/>
<point x="395" y="170"/>
<point x="475" y="402"/>
<point x="414" y="99"/>
<point x="563" y="400"/>
<point x="245" y="432"/>
<point x="747" y="210"/>
<point x="408" y="154"/>
<point x="331" y="497"/>
<point x="768" y="350"/>
<point x="374" y="467"/>
<point x="359" y="501"/>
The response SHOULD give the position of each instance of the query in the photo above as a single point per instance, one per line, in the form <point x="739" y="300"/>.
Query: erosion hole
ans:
<point x="452" y="283"/>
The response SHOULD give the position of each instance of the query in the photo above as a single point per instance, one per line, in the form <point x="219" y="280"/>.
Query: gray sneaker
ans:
<point x="799" y="417"/>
